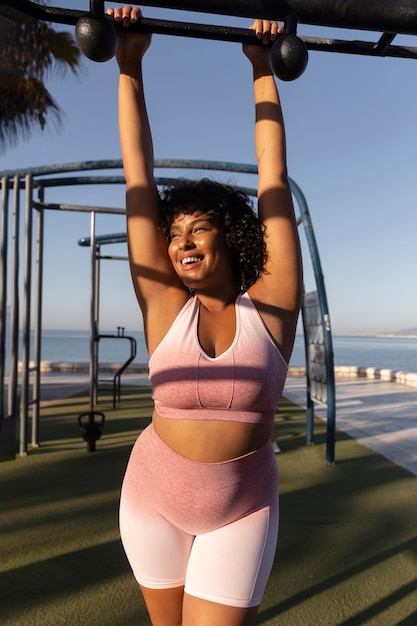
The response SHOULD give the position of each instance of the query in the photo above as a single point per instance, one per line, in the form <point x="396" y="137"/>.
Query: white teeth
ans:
<point x="189" y="259"/>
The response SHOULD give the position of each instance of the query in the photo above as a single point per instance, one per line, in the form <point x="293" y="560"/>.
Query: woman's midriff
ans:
<point x="209" y="441"/>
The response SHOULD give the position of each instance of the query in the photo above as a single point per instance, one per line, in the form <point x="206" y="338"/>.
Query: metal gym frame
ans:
<point x="33" y="184"/>
<point x="385" y="17"/>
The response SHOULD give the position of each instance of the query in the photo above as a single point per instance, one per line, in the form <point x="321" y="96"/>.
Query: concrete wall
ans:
<point x="341" y="371"/>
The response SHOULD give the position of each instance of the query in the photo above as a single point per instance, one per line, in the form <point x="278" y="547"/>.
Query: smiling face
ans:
<point x="199" y="253"/>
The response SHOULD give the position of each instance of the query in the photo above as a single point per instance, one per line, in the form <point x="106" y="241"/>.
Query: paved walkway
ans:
<point x="58" y="386"/>
<point x="380" y="415"/>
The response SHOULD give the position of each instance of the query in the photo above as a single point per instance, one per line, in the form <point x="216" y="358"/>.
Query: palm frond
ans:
<point x="24" y="103"/>
<point x="30" y="51"/>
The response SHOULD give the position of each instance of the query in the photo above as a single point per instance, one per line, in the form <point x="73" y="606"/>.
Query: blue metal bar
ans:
<point x="103" y="239"/>
<point x="106" y="164"/>
<point x="315" y="258"/>
<point x="310" y="403"/>
<point x="81" y="180"/>
<point x="62" y="168"/>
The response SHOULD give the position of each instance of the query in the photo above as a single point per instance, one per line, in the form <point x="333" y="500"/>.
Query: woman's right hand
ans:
<point x="132" y="46"/>
<point x="266" y="31"/>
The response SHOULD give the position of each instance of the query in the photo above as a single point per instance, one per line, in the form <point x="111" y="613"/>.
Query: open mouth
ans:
<point x="190" y="260"/>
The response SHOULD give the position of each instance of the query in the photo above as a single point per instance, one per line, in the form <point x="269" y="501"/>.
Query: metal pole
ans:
<point x="328" y="347"/>
<point x="310" y="402"/>
<point x="380" y="15"/>
<point x="14" y="304"/>
<point x="93" y="372"/>
<point x="37" y="345"/>
<point x="383" y="15"/>
<point x="24" y="404"/>
<point x="97" y="7"/>
<point x="3" y="291"/>
<point x="96" y="296"/>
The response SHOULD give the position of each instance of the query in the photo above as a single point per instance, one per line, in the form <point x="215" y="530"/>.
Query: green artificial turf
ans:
<point x="347" y="550"/>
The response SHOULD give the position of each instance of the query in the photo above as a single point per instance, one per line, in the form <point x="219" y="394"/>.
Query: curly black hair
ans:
<point x="227" y="207"/>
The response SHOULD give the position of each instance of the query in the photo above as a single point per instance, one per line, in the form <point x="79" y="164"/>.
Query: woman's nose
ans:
<point x="185" y="242"/>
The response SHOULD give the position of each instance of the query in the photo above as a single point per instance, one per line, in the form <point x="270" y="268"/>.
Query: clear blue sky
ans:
<point x="351" y="134"/>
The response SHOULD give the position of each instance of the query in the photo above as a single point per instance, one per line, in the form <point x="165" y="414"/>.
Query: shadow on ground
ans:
<point x="347" y="550"/>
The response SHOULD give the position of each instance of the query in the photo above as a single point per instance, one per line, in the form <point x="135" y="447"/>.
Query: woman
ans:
<point x="219" y="289"/>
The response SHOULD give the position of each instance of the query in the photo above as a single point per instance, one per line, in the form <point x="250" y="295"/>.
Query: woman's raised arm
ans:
<point x="278" y="291"/>
<point x="152" y="272"/>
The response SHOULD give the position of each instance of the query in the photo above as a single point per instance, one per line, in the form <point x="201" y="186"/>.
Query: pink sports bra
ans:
<point x="244" y="384"/>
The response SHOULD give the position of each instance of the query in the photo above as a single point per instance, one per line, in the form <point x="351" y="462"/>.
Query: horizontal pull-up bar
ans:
<point x="96" y="32"/>
<point x="398" y="17"/>
<point x="243" y="35"/>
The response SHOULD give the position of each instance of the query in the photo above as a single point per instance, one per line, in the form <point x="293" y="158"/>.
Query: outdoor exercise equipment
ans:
<point x="35" y="183"/>
<point x="289" y="54"/>
<point x="116" y="381"/>
<point x="90" y="428"/>
<point x="97" y="37"/>
<point x="95" y="34"/>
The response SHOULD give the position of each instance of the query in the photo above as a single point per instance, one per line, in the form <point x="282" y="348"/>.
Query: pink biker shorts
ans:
<point x="209" y="526"/>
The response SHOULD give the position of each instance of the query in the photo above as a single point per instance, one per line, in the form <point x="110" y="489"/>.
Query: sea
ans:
<point x="395" y="353"/>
